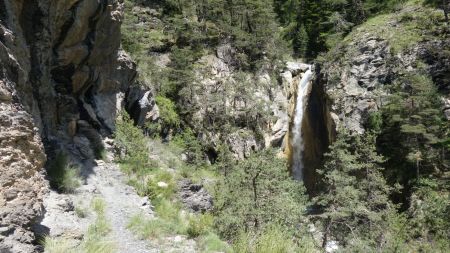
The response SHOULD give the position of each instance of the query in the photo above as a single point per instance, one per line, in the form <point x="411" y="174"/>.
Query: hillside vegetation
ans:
<point x="382" y="189"/>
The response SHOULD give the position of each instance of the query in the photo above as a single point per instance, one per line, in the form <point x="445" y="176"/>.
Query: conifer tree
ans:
<point x="414" y="130"/>
<point x="355" y="201"/>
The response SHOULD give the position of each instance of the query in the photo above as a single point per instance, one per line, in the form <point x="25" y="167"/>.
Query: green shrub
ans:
<point x="256" y="192"/>
<point x="212" y="243"/>
<point x="273" y="239"/>
<point x="156" y="192"/>
<point x="147" y="229"/>
<point x="199" y="225"/>
<point x="133" y="145"/>
<point x="63" y="176"/>
<point x="98" y="205"/>
<point x="81" y="212"/>
<point x="58" y="245"/>
<point x="174" y="222"/>
<point x="167" y="112"/>
<point x="188" y="141"/>
<point x="140" y="185"/>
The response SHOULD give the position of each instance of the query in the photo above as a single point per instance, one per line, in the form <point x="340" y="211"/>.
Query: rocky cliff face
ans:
<point x="266" y="101"/>
<point x="256" y="105"/>
<point x="353" y="80"/>
<point x="62" y="81"/>
<point x="356" y="75"/>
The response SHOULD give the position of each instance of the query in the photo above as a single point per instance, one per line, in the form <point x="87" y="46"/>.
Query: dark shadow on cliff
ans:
<point x="318" y="133"/>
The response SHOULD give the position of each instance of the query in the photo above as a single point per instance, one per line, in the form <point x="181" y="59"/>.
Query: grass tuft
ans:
<point x="212" y="243"/>
<point x="63" y="176"/>
<point x="95" y="241"/>
<point x="81" y="212"/>
<point x="58" y="245"/>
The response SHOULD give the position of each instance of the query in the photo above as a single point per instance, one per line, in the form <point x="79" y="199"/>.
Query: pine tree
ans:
<point x="256" y="193"/>
<point x="355" y="199"/>
<point x="414" y="130"/>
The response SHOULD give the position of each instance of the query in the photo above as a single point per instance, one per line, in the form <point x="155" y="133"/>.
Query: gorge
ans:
<point x="179" y="126"/>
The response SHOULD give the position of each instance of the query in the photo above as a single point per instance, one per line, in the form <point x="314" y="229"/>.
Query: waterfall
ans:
<point x="297" y="138"/>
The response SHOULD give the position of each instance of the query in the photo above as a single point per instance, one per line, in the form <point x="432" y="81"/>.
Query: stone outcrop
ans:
<point x="63" y="79"/>
<point x="22" y="157"/>
<point x="358" y="72"/>
<point x="194" y="196"/>
<point x="353" y="80"/>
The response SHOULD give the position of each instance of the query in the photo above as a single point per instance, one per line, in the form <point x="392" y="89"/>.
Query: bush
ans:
<point x="191" y="145"/>
<point x="199" y="225"/>
<point x="81" y="212"/>
<point x="98" y="205"/>
<point x="132" y="144"/>
<point x="63" y="176"/>
<point x="170" y="221"/>
<point x="272" y="239"/>
<point x="212" y="243"/>
<point x="58" y="245"/>
<point x="157" y="192"/>
<point x="256" y="192"/>
<point x="167" y="112"/>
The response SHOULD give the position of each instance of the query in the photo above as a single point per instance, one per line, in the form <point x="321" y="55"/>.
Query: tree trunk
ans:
<point x="255" y="196"/>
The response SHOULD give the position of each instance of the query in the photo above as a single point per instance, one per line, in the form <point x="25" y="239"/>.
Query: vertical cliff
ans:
<point x="63" y="78"/>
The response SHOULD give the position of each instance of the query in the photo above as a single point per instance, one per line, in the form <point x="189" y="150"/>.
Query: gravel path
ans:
<point x="105" y="180"/>
<point x="122" y="202"/>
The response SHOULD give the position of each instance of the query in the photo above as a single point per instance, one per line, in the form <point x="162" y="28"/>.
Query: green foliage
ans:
<point x="98" y="205"/>
<point x="165" y="191"/>
<point x="272" y="239"/>
<point x="170" y="221"/>
<point x="96" y="239"/>
<point x="315" y="26"/>
<point x="429" y="210"/>
<point x="257" y="192"/>
<point x="414" y="130"/>
<point x="167" y="112"/>
<point x="188" y="141"/>
<point x="132" y="143"/>
<point x="200" y="224"/>
<point x="58" y="245"/>
<point x="249" y="25"/>
<point x="63" y="176"/>
<point x="81" y="212"/>
<point x="375" y="122"/>
<point x="355" y="201"/>
<point x="211" y="243"/>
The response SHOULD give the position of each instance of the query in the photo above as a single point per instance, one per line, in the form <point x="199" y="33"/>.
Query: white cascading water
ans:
<point x="297" y="138"/>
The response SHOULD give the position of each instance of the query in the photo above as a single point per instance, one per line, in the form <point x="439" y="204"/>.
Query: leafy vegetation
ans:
<point x="132" y="144"/>
<point x="64" y="177"/>
<point x="383" y="191"/>
<point x="355" y="199"/>
<point x="256" y="193"/>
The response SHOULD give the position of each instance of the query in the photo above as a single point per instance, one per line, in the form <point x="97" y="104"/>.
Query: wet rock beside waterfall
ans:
<point x="194" y="196"/>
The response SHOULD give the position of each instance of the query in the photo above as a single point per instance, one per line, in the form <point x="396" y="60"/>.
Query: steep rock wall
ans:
<point x="352" y="81"/>
<point x="62" y="80"/>
<point x="356" y="75"/>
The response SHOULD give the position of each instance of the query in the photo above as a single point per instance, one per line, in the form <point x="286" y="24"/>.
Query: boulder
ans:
<point x="194" y="196"/>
